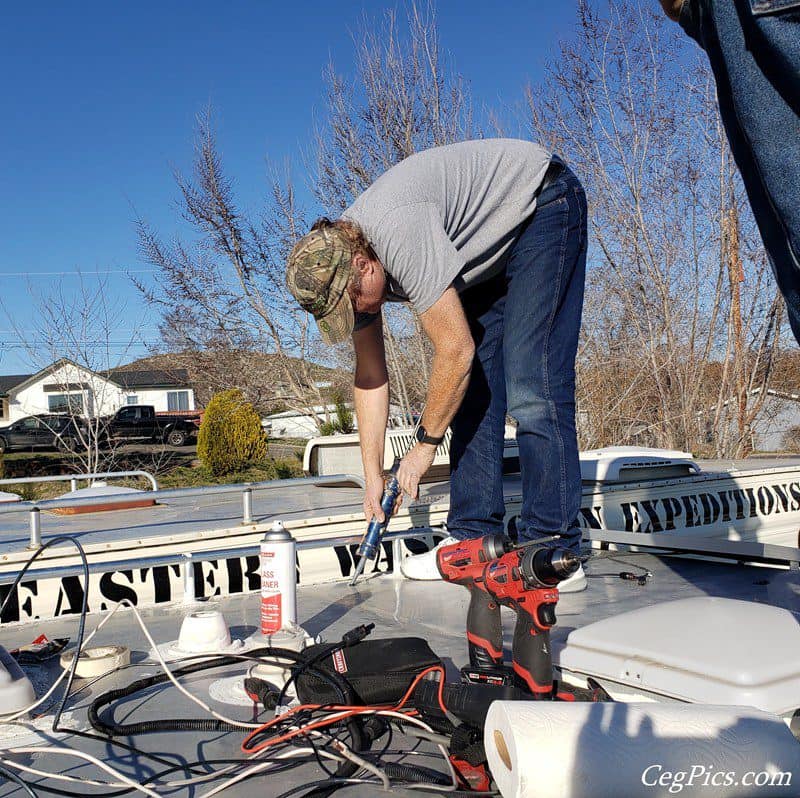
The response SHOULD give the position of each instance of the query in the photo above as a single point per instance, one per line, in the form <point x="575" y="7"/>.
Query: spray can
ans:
<point x="278" y="580"/>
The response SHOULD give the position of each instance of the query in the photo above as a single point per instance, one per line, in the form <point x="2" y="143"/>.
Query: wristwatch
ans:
<point x="423" y="437"/>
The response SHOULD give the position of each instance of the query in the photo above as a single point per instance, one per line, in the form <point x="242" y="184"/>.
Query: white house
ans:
<point x="296" y="424"/>
<point x="66" y="387"/>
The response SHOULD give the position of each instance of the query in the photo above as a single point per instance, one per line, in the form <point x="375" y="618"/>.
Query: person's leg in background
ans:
<point x="477" y="507"/>
<point x="753" y="47"/>
<point x="546" y="270"/>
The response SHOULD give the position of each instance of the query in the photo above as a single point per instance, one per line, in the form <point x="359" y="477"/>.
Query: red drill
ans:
<point x="525" y="580"/>
<point x="462" y="563"/>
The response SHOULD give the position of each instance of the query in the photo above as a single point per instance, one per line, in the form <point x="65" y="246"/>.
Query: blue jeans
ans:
<point x="754" y="50"/>
<point x="525" y="323"/>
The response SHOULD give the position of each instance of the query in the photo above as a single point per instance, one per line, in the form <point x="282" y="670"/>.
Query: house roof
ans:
<point x="149" y="379"/>
<point x="175" y="378"/>
<point x="10" y="381"/>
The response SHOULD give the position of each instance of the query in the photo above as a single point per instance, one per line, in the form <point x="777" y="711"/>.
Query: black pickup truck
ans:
<point x="141" y="422"/>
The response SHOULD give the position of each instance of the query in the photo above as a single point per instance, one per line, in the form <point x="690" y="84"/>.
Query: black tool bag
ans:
<point x="379" y="671"/>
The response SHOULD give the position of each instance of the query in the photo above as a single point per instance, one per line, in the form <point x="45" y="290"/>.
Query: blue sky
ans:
<point x="99" y="102"/>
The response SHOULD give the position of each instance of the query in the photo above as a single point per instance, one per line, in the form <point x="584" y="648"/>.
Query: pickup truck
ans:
<point x="142" y="422"/>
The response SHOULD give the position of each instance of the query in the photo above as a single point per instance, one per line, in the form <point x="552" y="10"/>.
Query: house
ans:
<point x="297" y="424"/>
<point x="66" y="387"/>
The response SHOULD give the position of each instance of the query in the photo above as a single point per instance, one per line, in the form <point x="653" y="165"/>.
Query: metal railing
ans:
<point x="189" y="560"/>
<point x="738" y="550"/>
<point x="245" y="489"/>
<point x="74" y="478"/>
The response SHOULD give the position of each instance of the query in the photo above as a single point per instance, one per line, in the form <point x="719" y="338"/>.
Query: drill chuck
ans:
<point x="545" y="567"/>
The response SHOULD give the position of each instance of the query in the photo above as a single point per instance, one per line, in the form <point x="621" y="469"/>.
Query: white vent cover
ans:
<point x="611" y="463"/>
<point x="703" y="650"/>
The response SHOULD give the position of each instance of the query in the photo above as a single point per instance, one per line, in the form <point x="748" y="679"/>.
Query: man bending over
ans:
<point x="487" y="240"/>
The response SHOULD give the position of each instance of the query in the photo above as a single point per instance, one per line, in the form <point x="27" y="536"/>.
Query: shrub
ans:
<point x="344" y="416"/>
<point x="343" y="422"/>
<point x="231" y="436"/>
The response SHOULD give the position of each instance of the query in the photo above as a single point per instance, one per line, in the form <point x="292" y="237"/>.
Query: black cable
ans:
<point x="113" y="729"/>
<point x="11" y="776"/>
<point x="349" y="639"/>
<point x="81" y="622"/>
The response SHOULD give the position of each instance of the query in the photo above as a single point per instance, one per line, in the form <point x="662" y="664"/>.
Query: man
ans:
<point x="754" y="50"/>
<point x="487" y="240"/>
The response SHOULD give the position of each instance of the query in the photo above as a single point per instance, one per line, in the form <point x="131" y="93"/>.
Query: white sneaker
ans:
<point x="574" y="583"/>
<point x="423" y="566"/>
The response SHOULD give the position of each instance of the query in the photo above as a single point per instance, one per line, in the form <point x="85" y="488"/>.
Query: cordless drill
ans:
<point x="462" y="563"/>
<point x="526" y="580"/>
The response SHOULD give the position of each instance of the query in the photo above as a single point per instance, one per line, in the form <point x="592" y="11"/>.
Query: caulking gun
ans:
<point x="370" y="543"/>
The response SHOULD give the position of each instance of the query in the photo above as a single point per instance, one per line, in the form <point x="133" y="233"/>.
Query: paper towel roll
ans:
<point x="544" y="749"/>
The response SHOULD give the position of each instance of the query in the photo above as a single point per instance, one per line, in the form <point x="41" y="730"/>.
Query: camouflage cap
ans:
<point x="319" y="267"/>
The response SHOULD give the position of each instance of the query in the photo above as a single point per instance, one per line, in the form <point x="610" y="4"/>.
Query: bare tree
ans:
<point x="223" y="294"/>
<point x="680" y="320"/>
<point x="80" y="335"/>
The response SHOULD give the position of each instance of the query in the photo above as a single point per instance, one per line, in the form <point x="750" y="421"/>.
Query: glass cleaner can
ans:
<point x="278" y="580"/>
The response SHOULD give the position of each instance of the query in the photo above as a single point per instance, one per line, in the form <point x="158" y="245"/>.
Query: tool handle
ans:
<point x="372" y="538"/>
<point x="484" y="630"/>
<point x="531" y="658"/>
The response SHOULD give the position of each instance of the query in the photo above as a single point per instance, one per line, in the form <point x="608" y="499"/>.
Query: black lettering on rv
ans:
<point x="782" y="492"/>
<point x="655" y="521"/>
<point x="751" y="497"/>
<point x="691" y="509"/>
<point x="201" y="579"/>
<point x="711" y="508"/>
<point x="673" y="509"/>
<point x="630" y="512"/>
<point x="766" y="501"/>
<point x="253" y="572"/>
<point x="115" y="591"/>
<point x="723" y="500"/>
<point x="593" y="517"/>
<point x="70" y="589"/>
<point x="794" y="489"/>
<point x="162" y="581"/>
<point x="738" y="497"/>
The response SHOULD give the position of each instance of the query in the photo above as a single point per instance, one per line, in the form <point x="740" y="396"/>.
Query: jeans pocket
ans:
<point x="762" y="8"/>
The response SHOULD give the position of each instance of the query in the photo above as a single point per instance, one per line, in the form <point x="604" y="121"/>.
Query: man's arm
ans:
<point x="446" y="326"/>
<point x="371" y="399"/>
<point x="672" y="8"/>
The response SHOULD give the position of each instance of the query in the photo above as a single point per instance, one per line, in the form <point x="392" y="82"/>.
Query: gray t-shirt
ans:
<point x="449" y="215"/>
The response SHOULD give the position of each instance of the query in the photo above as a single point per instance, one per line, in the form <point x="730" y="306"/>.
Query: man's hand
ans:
<point x="672" y="8"/>
<point x="372" y="499"/>
<point x="413" y="467"/>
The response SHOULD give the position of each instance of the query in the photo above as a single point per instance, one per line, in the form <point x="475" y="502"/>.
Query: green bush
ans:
<point x="343" y="421"/>
<point x="231" y="436"/>
<point x="344" y="416"/>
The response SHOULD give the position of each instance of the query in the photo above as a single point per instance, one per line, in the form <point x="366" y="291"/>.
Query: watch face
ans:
<point x="421" y="433"/>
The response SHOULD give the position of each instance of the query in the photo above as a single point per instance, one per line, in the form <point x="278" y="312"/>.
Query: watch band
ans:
<point x="423" y="437"/>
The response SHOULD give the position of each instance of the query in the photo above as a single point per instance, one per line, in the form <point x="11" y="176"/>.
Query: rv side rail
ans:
<point x="188" y="559"/>
<point x="742" y="551"/>
<point x="676" y="544"/>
